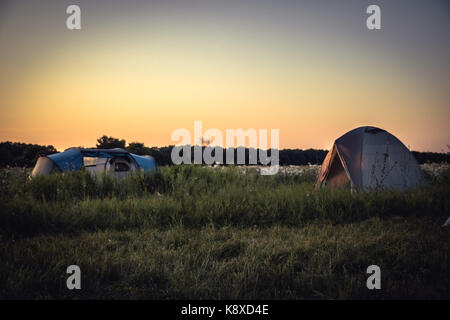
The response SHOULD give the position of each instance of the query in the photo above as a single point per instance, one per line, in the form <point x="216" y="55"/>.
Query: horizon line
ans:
<point x="235" y="147"/>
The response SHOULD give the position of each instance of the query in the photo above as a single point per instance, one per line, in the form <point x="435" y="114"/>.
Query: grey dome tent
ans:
<point x="370" y="158"/>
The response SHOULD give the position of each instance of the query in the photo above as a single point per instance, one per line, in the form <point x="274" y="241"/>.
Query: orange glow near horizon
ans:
<point x="140" y="87"/>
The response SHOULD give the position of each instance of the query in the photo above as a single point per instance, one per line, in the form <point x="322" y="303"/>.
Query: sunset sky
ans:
<point x="138" y="70"/>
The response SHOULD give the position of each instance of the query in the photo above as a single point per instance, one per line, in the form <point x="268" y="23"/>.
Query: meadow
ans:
<point x="193" y="232"/>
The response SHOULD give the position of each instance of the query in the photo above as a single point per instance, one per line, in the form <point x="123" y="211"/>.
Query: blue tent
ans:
<point x="145" y="163"/>
<point x="69" y="160"/>
<point x="72" y="159"/>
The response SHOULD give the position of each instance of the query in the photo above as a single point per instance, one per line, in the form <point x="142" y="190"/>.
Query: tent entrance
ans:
<point x="337" y="175"/>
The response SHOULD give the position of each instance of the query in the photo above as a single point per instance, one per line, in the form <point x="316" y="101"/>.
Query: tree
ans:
<point x="137" y="148"/>
<point x="105" y="142"/>
<point x="22" y="154"/>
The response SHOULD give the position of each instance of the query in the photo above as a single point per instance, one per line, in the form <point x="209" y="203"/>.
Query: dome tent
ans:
<point x="370" y="158"/>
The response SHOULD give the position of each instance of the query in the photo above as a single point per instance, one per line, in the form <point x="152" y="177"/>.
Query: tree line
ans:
<point x="26" y="155"/>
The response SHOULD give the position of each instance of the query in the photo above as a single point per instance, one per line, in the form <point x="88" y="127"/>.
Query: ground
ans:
<point x="191" y="232"/>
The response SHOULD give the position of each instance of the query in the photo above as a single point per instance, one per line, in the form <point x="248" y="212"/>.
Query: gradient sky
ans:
<point x="138" y="70"/>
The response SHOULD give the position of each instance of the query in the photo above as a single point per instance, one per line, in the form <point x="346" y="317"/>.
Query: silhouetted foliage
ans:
<point x="22" y="154"/>
<point x="136" y="148"/>
<point x="431" y="157"/>
<point x="25" y="155"/>
<point x="106" y="142"/>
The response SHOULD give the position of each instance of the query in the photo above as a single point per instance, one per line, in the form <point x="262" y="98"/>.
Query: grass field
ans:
<point x="189" y="232"/>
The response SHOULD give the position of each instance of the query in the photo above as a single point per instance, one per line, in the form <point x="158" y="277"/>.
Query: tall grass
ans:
<point x="194" y="197"/>
<point x="194" y="232"/>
